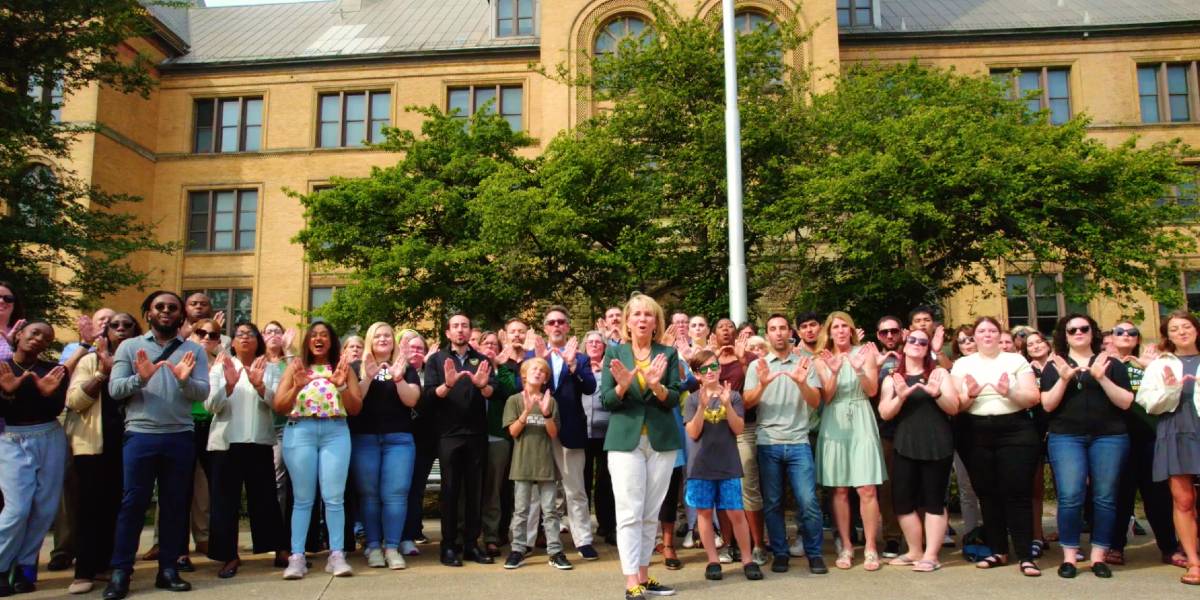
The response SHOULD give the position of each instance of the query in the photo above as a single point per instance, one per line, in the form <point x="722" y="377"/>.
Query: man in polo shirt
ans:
<point x="158" y="376"/>
<point x="891" y="343"/>
<point x="458" y="382"/>
<point x="786" y="390"/>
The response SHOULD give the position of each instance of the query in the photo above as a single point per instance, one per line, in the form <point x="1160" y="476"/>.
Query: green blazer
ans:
<point x="638" y="406"/>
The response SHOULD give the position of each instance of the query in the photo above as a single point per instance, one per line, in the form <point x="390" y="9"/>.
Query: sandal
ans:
<point x="926" y="566"/>
<point x="1178" y="559"/>
<point x="1192" y="577"/>
<point x="1030" y="569"/>
<point x="871" y="561"/>
<point x="1039" y="548"/>
<point x="992" y="562"/>
<point x="903" y="561"/>
<point x="845" y="559"/>
<point x="1114" y="557"/>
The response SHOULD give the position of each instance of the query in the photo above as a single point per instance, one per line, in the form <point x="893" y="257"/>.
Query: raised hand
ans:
<point x="539" y="346"/>
<point x="1002" y="386"/>
<point x="231" y="371"/>
<point x="12" y="332"/>
<point x="341" y="374"/>
<point x="1169" y="378"/>
<point x="765" y="376"/>
<point x="219" y="319"/>
<point x="1149" y="353"/>
<point x="901" y="386"/>
<point x="570" y="351"/>
<point x="505" y="355"/>
<point x="9" y="382"/>
<point x="47" y="385"/>
<point x="658" y="367"/>
<point x="739" y="346"/>
<point x="258" y="370"/>
<point x="182" y="369"/>
<point x="144" y="368"/>
<point x="621" y="374"/>
<point x="934" y="385"/>
<point x="289" y="336"/>
<point x="939" y="339"/>
<point x="544" y="403"/>
<point x="862" y="335"/>
<point x="726" y="398"/>
<point x="371" y="366"/>
<point x="833" y="362"/>
<point x="432" y="350"/>
<point x="300" y="376"/>
<point x="103" y="356"/>
<point x="480" y="377"/>
<point x="1065" y="371"/>
<point x="712" y="342"/>
<point x="862" y="359"/>
<point x="973" y="387"/>
<point x="87" y="332"/>
<point x="450" y="372"/>
<point x="1099" y="368"/>
<point x="397" y="369"/>
<point x="530" y="401"/>
<point x="799" y="374"/>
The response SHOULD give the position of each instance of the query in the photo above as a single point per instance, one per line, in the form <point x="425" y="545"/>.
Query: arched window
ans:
<point x="618" y="30"/>
<point x="747" y="21"/>
<point x="35" y="195"/>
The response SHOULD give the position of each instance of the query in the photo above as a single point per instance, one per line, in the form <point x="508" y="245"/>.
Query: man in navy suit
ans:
<point x="571" y="378"/>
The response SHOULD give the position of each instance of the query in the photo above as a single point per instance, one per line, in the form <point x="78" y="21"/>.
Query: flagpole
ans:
<point x="733" y="170"/>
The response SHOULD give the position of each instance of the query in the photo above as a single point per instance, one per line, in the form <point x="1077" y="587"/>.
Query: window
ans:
<point x="514" y="17"/>
<point x="1167" y="92"/>
<point x="624" y="27"/>
<point x="222" y="220"/>
<point x="237" y="304"/>
<point x="1038" y="301"/>
<point x="349" y="119"/>
<point x="319" y="296"/>
<point x="50" y="97"/>
<point x="228" y="125"/>
<point x="1190" y="280"/>
<point x="748" y="21"/>
<point x="508" y="101"/>
<point x="1049" y="86"/>
<point x="36" y="196"/>
<point x="854" y="13"/>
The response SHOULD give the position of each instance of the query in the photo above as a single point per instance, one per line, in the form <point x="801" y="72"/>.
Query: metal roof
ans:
<point x="174" y="19"/>
<point x="322" y="30"/>
<point x="964" y="16"/>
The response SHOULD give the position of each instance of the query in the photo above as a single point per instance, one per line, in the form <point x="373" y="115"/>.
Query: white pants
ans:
<point x="640" y="480"/>
<point x="570" y="469"/>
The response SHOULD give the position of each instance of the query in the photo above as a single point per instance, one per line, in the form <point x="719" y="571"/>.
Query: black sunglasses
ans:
<point x="212" y="335"/>
<point x="890" y="331"/>
<point x="912" y="339"/>
<point x="1080" y="329"/>
<point x="121" y="324"/>
<point x="8" y="299"/>
<point x="1122" y="331"/>
<point x="166" y="307"/>
<point x="966" y="340"/>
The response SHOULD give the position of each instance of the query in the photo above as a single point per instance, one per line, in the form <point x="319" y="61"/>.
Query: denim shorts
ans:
<point x="723" y="494"/>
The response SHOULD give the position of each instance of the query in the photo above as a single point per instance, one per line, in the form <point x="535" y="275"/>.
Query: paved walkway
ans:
<point x="1145" y="577"/>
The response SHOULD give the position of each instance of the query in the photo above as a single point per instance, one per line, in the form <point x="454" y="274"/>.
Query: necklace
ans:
<point x="640" y="358"/>
<point x="24" y="369"/>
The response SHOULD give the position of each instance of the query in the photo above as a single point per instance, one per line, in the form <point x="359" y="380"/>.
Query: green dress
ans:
<point x="848" y="450"/>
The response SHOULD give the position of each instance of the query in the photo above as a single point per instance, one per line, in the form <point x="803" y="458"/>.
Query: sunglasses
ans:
<point x="890" y="331"/>
<point x="709" y="368"/>
<point x="1122" y="331"/>
<point x="167" y="308"/>
<point x="966" y="340"/>
<point x="8" y="299"/>
<point x="120" y="324"/>
<point x="1080" y="329"/>
<point x="912" y="339"/>
<point x="210" y="335"/>
<point x="555" y="322"/>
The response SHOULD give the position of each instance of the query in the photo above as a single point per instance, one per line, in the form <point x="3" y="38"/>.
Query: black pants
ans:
<point x="252" y="466"/>
<point x="919" y="484"/>
<point x="427" y="448"/>
<point x="598" y="486"/>
<point x="204" y="459"/>
<point x="1156" y="497"/>
<point x="101" y="480"/>
<point x="670" y="506"/>
<point x="1002" y="453"/>
<point x="462" y="459"/>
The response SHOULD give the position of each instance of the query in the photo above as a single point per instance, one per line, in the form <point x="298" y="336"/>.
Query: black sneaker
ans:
<point x="20" y="583"/>
<point x="891" y="549"/>
<point x="514" y="560"/>
<point x="713" y="572"/>
<point x="753" y="573"/>
<point x="780" y="564"/>
<point x="5" y="585"/>
<point x="636" y="592"/>
<point x="654" y="588"/>
<point x="735" y="553"/>
<point x="559" y="561"/>
<point x="816" y="566"/>
<point x="587" y="552"/>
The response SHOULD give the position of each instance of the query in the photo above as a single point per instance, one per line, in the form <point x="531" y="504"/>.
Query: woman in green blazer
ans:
<point x="640" y="385"/>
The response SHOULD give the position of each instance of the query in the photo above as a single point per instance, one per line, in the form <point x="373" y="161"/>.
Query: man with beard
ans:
<point x="612" y="325"/>
<point x="458" y="382"/>
<point x="158" y="375"/>
<point x="891" y="343"/>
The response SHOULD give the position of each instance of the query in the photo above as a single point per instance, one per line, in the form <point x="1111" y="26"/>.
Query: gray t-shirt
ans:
<point x="716" y="457"/>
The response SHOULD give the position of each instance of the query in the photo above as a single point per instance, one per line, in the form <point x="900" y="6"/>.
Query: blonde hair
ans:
<point x="539" y="363"/>
<point x="825" y="342"/>
<point x="369" y="346"/>
<point x="648" y="302"/>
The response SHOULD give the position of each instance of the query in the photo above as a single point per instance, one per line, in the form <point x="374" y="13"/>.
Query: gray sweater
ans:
<point x="163" y="404"/>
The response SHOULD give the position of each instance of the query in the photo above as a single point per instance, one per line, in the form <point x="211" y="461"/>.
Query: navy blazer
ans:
<point x="568" y="392"/>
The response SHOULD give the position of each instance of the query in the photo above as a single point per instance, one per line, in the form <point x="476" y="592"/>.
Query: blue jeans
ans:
<point x="1076" y="459"/>
<point x="382" y="466"/>
<point x="170" y="458"/>
<point x="317" y="448"/>
<point x="795" y="462"/>
<point x="32" y="461"/>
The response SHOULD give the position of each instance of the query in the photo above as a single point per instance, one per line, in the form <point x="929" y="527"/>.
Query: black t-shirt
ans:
<point x="923" y="430"/>
<point x="27" y="406"/>
<point x="382" y="410"/>
<point x="887" y="429"/>
<point x="1085" y="408"/>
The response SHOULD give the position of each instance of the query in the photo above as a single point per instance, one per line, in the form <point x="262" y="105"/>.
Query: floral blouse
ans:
<point x="320" y="398"/>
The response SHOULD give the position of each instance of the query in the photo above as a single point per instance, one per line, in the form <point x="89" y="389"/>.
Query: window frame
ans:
<point x="216" y="127"/>
<point x="647" y="24"/>
<point x="210" y="221"/>
<point x="1186" y="276"/>
<point x="50" y="98"/>
<point x="516" y="19"/>
<point x="333" y="288"/>
<point x="1043" y="72"/>
<point x="1162" y="90"/>
<point x="851" y="10"/>
<point x="1063" y="306"/>
<point x="231" y="321"/>
<point x="498" y="88"/>
<point x="369" y="95"/>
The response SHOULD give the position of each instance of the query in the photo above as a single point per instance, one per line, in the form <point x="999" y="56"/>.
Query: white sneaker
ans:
<point x="395" y="561"/>
<point x="375" y="558"/>
<point x="296" y="567"/>
<point x="724" y="556"/>
<point x="408" y="548"/>
<point x="689" y="539"/>
<point x="337" y="565"/>
<point x="718" y="541"/>
<point x="796" y="549"/>
<point x="760" y="556"/>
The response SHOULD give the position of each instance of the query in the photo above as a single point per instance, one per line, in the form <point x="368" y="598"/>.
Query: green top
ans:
<point x="533" y="452"/>
<point x="639" y="408"/>
<point x="200" y="415"/>
<point x="506" y="385"/>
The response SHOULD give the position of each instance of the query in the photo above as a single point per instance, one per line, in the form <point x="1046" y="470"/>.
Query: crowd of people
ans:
<point x="644" y="421"/>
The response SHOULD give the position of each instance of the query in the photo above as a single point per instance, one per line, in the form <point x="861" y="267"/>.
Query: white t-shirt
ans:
<point x="987" y="372"/>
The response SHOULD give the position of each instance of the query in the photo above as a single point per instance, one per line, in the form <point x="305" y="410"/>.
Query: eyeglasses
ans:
<point x="1080" y="329"/>
<point x="8" y="299"/>
<point x="1122" y="331"/>
<point x="890" y="331"/>
<point x="166" y="307"/>
<point x="242" y="333"/>
<point x="1022" y="334"/>
<point x="970" y="339"/>
<point x="554" y="322"/>
<point x="210" y="335"/>
<point x="709" y="368"/>
<point x="272" y="332"/>
<point x="912" y="339"/>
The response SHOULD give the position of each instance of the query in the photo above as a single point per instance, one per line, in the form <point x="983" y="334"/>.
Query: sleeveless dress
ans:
<point x="849" y="453"/>
<point x="320" y="398"/>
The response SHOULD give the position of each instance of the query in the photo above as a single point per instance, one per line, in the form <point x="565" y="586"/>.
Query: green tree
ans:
<point x="914" y="183"/>
<point x="62" y="245"/>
